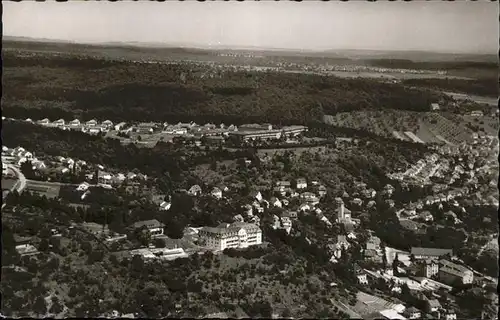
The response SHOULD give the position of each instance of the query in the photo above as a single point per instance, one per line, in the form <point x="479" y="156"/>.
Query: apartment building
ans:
<point x="235" y="235"/>
<point x="450" y="273"/>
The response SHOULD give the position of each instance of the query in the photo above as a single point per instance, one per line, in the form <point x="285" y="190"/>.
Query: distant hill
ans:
<point x="352" y="54"/>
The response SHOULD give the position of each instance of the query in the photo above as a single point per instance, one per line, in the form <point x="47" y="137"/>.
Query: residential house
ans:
<point x="256" y="195"/>
<point x="301" y="183"/>
<point x="429" y="253"/>
<point x="26" y="250"/>
<point x="83" y="186"/>
<point x="322" y="191"/>
<point x="426" y="216"/>
<point x="195" y="190"/>
<point x="292" y="214"/>
<point x="59" y="123"/>
<point x="304" y="207"/>
<point x="238" y="218"/>
<point x="258" y="207"/>
<point x="165" y="205"/>
<point x="449" y="314"/>
<point x="428" y="268"/>
<point x="107" y="123"/>
<point x="43" y="121"/>
<point x="451" y="273"/>
<point x="248" y="210"/>
<point x="119" y="126"/>
<point x="310" y="198"/>
<point x="286" y="222"/>
<point x="235" y="235"/>
<point x="342" y="242"/>
<point x="216" y="193"/>
<point x="74" y="123"/>
<point x="362" y="278"/>
<point x="155" y="227"/>
<point x="91" y="123"/>
<point x="283" y="184"/>
<point x="357" y="201"/>
<point x="434" y="106"/>
<point x="373" y="243"/>
<point x="433" y="305"/>
<point x="276" y="202"/>
<point x="412" y="313"/>
<point x="145" y="127"/>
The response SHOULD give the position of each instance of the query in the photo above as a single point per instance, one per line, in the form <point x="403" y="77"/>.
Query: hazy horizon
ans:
<point x="447" y="27"/>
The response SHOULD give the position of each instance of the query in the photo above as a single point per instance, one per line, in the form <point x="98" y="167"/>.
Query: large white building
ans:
<point x="235" y="235"/>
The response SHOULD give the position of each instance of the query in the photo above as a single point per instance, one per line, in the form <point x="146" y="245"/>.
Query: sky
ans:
<point x="455" y="27"/>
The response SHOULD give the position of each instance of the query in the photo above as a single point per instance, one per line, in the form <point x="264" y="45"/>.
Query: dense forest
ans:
<point x="481" y="87"/>
<point x="88" y="88"/>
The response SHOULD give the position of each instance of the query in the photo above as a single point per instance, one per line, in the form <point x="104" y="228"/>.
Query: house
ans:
<point x="434" y="106"/>
<point x="373" y="243"/>
<point x="145" y="127"/>
<point x="310" y="198"/>
<point x="412" y="313"/>
<point x="286" y="223"/>
<point x="26" y="250"/>
<point x="362" y="278"/>
<point x="235" y="235"/>
<point x="449" y="314"/>
<point x="451" y="273"/>
<point x="74" y="123"/>
<point x="59" y="122"/>
<point x="342" y="242"/>
<point x="83" y="186"/>
<point x="154" y="226"/>
<point x="322" y="191"/>
<point x="107" y="123"/>
<point x="43" y="121"/>
<point x="428" y="268"/>
<point x="91" y="123"/>
<point x="426" y="216"/>
<point x="216" y="193"/>
<point x="301" y="183"/>
<point x="165" y="206"/>
<point x="304" y="207"/>
<point x="238" y="218"/>
<point x="292" y="214"/>
<point x="276" y="202"/>
<point x="283" y="184"/>
<point x="195" y="190"/>
<point x="429" y="253"/>
<point x="119" y="126"/>
<point x="433" y="305"/>
<point x="357" y="201"/>
<point x="256" y="195"/>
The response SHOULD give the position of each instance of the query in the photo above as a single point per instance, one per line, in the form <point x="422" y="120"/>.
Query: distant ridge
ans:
<point x="361" y="54"/>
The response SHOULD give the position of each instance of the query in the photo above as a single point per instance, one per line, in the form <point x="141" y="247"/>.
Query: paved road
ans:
<point x="21" y="179"/>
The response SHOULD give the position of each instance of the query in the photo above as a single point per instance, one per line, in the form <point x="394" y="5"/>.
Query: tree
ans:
<point x="39" y="306"/>
<point x="44" y="245"/>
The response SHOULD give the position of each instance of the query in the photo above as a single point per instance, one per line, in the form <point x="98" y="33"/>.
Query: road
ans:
<point x="21" y="181"/>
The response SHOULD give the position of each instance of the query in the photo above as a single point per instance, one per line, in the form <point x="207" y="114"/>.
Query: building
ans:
<point x="434" y="107"/>
<point x="235" y="235"/>
<point x="451" y="273"/>
<point x="74" y="123"/>
<point x="430" y="253"/>
<point x="59" y="122"/>
<point x="26" y="250"/>
<point x="373" y="243"/>
<point x="433" y="305"/>
<point x="412" y="313"/>
<point x="216" y="193"/>
<point x="429" y="268"/>
<point x="119" y="126"/>
<point x="301" y="183"/>
<point x="91" y="123"/>
<point x="154" y="226"/>
<point x="195" y="190"/>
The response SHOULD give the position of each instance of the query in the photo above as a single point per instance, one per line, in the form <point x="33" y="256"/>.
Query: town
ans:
<point x="326" y="160"/>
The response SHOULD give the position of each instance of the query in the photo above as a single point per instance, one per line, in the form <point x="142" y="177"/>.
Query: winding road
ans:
<point x="21" y="181"/>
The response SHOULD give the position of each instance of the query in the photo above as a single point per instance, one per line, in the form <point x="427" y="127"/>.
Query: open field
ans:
<point x="7" y="184"/>
<point x="430" y="127"/>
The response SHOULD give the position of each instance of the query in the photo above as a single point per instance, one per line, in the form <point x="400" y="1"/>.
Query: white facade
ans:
<point x="236" y="235"/>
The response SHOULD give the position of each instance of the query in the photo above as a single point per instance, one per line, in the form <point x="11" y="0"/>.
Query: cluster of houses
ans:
<point x="212" y="132"/>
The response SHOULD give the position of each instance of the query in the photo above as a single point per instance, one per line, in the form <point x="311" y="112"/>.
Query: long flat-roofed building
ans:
<point x="235" y="235"/>
<point x="266" y="132"/>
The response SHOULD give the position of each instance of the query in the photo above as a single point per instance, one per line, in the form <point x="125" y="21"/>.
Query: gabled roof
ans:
<point x="436" y="252"/>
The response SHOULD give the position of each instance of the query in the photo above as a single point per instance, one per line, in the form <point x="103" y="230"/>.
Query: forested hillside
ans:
<point x="38" y="86"/>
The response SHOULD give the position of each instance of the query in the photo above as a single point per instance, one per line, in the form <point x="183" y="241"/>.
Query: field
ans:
<point x="48" y="189"/>
<point x="428" y="126"/>
<point x="7" y="184"/>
